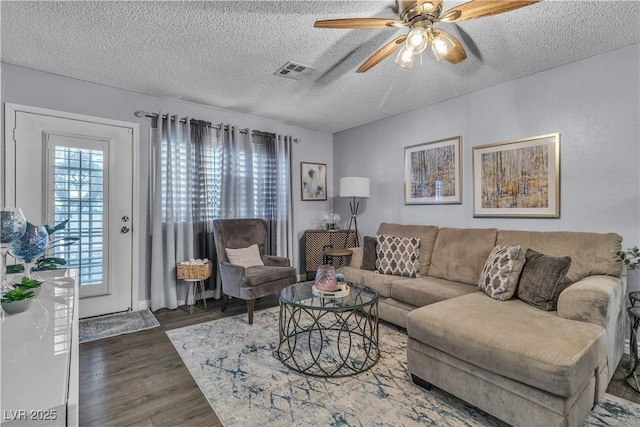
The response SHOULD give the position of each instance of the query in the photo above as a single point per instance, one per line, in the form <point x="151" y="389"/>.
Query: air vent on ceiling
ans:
<point x="294" y="71"/>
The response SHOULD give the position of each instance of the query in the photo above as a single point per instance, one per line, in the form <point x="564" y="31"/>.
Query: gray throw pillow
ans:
<point x="542" y="279"/>
<point x="369" y="253"/>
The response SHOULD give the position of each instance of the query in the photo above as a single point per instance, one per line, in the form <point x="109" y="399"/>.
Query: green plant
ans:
<point x="27" y="283"/>
<point x="630" y="257"/>
<point x="17" y="294"/>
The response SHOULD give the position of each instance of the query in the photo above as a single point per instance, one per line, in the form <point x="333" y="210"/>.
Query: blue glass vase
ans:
<point x="32" y="245"/>
<point x="12" y="227"/>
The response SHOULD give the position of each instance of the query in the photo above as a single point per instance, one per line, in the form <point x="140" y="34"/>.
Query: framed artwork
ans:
<point x="433" y="172"/>
<point x="517" y="178"/>
<point x="313" y="181"/>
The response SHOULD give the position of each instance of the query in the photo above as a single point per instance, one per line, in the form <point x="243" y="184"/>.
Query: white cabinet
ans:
<point x="39" y="348"/>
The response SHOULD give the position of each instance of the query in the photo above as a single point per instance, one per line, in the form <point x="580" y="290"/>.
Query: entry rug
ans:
<point x="111" y="325"/>
<point x="236" y="367"/>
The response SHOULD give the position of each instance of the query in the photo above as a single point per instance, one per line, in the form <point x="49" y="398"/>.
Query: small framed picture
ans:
<point x="313" y="181"/>
<point x="433" y="172"/>
<point x="517" y="178"/>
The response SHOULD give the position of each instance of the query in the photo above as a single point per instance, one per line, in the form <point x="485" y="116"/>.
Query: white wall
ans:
<point x="594" y="105"/>
<point x="30" y="87"/>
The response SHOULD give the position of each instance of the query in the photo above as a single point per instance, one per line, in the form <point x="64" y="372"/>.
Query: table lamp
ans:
<point x="354" y="187"/>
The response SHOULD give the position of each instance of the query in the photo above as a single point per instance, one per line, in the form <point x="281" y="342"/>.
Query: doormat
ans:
<point x="235" y="366"/>
<point x="111" y="325"/>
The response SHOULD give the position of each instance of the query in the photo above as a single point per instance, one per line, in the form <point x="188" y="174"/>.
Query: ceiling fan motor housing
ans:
<point x="409" y="10"/>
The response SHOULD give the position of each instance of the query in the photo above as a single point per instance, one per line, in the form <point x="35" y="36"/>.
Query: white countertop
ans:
<point x="36" y="348"/>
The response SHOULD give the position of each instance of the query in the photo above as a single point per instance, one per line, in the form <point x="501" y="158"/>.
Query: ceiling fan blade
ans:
<point x="382" y="53"/>
<point x="359" y="23"/>
<point x="457" y="54"/>
<point x="480" y="8"/>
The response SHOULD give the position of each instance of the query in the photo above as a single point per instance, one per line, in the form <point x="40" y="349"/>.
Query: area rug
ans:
<point x="111" y="325"/>
<point x="236" y="367"/>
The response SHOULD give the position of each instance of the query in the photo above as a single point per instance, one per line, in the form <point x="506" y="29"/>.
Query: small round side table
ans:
<point x="634" y="297"/>
<point x="634" y="320"/>
<point x="329" y="254"/>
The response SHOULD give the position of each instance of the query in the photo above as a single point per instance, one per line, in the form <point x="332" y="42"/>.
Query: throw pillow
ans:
<point x="499" y="277"/>
<point x="398" y="255"/>
<point x="246" y="257"/>
<point x="369" y="253"/>
<point x="542" y="279"/>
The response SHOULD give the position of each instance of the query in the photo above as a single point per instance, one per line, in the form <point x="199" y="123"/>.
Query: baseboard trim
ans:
<point x="143" y="305"/>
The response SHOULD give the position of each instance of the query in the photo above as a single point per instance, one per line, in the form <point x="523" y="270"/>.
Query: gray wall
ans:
<point x="593" y="103"/>
<point x="34" y="88"/>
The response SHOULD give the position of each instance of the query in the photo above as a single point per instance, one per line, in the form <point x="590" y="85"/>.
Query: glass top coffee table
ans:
<point x="327" y="336"/>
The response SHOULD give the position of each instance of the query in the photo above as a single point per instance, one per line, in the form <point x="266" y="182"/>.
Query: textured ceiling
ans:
<point x="224" y="53"/>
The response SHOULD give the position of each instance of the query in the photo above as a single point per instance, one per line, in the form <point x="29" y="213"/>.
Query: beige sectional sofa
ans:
<point x="524" y="365"/>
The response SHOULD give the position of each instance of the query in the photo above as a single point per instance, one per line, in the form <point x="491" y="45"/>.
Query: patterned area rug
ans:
<point x="97" y="328"/>
<point x="236" y="367"/>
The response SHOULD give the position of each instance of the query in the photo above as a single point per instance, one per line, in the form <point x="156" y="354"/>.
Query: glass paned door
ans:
<point x="78" y="176"/>
<point x="78" y="181"/>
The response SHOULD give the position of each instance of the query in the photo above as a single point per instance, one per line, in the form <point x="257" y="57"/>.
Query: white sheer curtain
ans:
<point x="179" y="211"/>
<point x="284" y="210"/>
<point x="198" y="176"/>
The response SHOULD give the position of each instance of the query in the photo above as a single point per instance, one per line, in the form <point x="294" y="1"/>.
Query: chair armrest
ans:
<point x="276" y="261"/>
<point x="356" y="257"/>
<point x="231" y="277"/>
<point x="594" y="299"/>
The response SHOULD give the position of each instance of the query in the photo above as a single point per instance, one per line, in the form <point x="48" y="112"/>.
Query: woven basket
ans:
<point x="196" y="272"/>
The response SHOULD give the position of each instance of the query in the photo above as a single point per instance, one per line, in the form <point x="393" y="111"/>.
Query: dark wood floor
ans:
<point x="140" y="380"/>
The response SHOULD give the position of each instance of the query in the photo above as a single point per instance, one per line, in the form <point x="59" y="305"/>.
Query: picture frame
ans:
<point x="433" y="172"/>
<point x="519" y="178"/>
<point x="313" y="181"/>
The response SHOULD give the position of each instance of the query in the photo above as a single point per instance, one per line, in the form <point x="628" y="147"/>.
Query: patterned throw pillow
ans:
<point x="501" y="272"/>
<point x="398" y="255"/>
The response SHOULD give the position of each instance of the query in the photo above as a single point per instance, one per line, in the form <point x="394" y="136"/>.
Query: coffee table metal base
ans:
<point x="328" y="343"/>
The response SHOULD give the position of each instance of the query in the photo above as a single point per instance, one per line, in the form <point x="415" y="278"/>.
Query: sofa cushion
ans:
<point x="590" y="252"/>
<point x="398" y="255"/>
<point x="501" y="272"/>
<point x="381" y="283"/>
<point x="259" y="275"/>
<point x="460" y="253"/>
<point x="369" y="253"/>
<point x="542" y="279"/>
<point x="513" y="339"/>
<point x="428" y="290"/>
<point x="426" y="233"/>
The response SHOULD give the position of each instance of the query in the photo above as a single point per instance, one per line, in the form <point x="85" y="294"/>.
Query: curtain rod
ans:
<point x="142" y="113"/>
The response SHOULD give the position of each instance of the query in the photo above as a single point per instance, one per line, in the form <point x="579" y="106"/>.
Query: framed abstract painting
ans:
<point x="313" y="181"/>
<point x="518" y="178"/>
<point x="433" y="172"/>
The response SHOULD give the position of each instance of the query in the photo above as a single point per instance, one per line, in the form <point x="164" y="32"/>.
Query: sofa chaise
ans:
<point x="523" y="364"/>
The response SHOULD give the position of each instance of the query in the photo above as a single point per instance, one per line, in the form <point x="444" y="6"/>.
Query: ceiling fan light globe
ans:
<point x="417" y="40"/>
<point x="405" y="58"/>
<point x="441" y="46"/>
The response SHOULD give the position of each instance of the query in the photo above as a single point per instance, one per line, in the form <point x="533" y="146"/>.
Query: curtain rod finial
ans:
<point x="140" y="113"/>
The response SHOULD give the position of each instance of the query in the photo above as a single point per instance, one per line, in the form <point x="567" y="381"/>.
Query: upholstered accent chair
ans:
<point x="249" y="282"/>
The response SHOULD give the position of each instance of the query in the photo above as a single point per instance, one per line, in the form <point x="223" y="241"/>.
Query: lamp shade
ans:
<point x="354" y="186"/>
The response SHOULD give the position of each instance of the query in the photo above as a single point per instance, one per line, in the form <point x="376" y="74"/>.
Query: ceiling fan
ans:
<point x="419" y="16"/>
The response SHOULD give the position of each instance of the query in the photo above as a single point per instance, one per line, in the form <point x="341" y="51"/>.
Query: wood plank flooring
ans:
<point x="140" y="380"/>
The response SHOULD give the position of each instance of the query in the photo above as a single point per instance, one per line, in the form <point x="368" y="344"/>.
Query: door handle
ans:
<point x="124" y="230"/>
